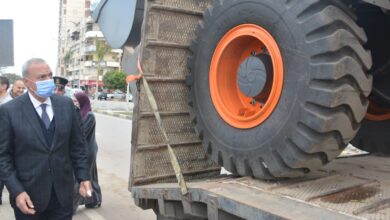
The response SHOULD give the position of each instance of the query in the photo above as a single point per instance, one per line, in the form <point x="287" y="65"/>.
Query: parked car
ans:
<point x="117" y="94"/>
<point x="102" y="96"/>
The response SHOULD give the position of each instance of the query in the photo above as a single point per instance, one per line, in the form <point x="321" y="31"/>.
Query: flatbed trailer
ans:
<point x="194" y="103"/>
<point x="356" y="187"/>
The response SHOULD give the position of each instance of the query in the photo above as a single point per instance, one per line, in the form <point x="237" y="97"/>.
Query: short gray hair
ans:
<point x="28" y="63"/>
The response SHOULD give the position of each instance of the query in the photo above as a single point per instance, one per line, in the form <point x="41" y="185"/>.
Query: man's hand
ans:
<point x="24" y="203"/>
<point x="85" y="189"/>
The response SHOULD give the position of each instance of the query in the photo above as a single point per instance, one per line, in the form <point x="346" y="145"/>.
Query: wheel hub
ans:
<point x="246" y="76"/>
<point x="252" y="74"/>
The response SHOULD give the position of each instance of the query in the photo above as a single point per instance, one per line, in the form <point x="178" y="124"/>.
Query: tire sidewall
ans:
<point x="285" y="117"/>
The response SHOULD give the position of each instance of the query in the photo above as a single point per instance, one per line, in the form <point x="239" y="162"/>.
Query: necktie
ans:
<point x="45" y="116"/>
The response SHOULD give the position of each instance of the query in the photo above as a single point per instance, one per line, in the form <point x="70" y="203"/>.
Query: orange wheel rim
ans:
<point x="376" y="113"/>
<point x="234" y="107"/>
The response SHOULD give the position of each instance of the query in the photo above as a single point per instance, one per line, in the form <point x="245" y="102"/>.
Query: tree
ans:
<point x="12" y="77"/>
<point x="101" y="50"/>
<point x="115" y="80"/>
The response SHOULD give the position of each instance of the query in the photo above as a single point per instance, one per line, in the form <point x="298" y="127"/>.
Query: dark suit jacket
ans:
<point x="28" y="164"/>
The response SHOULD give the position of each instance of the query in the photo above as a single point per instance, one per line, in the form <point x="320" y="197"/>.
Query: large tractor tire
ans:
<point x="278" y="88"/>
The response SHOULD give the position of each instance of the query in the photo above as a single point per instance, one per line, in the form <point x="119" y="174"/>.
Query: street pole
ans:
<point x="127" y="96"/>
<point x="97" y="81"/>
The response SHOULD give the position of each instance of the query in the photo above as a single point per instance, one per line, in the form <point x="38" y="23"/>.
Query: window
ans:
<point x="89" y="27"/>
<point x="88" y="57"/>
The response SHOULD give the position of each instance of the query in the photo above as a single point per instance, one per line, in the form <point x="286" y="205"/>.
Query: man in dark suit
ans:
<point x="42" y="149"/>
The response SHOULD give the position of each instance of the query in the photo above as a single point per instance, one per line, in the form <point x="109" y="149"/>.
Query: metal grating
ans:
<point x="185" y="4"/>
<point x="169" y="96"/>
<point x="166" y="62"/>
<point x="173" y="27"/>
<point x="151" y="158"/>
<point x="168" y="29"/>
<point x="178" y="127"/>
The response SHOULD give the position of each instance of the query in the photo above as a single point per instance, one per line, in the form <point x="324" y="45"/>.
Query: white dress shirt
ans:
<point x="38" y="108"/>
<point x="5" y="99"/>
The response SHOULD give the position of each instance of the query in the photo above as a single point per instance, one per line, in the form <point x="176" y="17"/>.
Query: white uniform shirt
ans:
<point x="38" y="108"/>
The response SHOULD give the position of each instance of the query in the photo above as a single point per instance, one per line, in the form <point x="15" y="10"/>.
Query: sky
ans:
<point x="35" y="29"/>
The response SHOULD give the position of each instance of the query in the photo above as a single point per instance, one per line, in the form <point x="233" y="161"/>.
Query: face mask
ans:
<point x="45" y="88"/>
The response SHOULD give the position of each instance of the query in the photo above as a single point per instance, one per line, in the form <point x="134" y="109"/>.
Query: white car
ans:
<point x="117" y="94"/>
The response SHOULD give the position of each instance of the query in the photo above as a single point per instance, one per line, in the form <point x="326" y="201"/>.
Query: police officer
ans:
<point x="60" y="85"/>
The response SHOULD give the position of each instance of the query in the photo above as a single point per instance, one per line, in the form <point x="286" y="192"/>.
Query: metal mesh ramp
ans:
<point x="168" y="29"/>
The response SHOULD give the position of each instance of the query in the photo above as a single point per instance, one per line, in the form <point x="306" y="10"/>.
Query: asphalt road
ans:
<point x="113" y="137"/>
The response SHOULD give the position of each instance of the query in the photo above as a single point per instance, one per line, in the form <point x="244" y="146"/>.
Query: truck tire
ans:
<point x="307" y="60"/>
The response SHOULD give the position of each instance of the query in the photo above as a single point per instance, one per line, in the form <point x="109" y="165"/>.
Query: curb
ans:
<point x="118" y="115"/>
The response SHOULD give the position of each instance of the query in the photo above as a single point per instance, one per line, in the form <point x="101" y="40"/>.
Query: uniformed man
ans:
<point x="60" y="85"/>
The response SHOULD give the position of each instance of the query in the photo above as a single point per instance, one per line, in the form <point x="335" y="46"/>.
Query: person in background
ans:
<point x="17" y="89"/>
<point x="89" y="123"/>
<point x="4" y="85"/>
<point x="4" y="97"/>
<point x="60" y="85"/>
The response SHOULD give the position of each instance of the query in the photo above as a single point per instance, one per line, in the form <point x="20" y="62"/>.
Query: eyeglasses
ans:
<point x="60" y="87"/>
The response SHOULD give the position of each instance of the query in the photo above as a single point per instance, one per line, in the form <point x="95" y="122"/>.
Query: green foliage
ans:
<point x="12" y="77"/>
<point x="101" y="49"/>
<point x="115" y="80"/>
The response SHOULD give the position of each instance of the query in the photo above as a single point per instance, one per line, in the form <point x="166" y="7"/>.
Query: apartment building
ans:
<point x="78" y="60"/>
<point x="71" y="13"/>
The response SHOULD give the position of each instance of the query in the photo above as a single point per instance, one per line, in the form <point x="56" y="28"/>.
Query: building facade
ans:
<point x="78" y="58"/>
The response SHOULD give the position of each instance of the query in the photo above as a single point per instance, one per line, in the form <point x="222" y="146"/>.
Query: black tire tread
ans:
<point x="313" y="145"/>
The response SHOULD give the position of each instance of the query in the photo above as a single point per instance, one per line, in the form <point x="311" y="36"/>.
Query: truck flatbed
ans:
<point x="349" y="188"/>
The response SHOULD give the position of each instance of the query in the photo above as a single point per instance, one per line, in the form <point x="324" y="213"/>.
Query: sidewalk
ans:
<point x="120" y="114"/>
<point x="114" y="108"/>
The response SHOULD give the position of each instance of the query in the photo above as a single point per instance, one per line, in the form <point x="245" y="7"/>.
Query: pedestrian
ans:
<point x="89" y="123"/>
<point x="4" y="86"/>
<point x="60" y="85"/>
<point x="4" y="97"/>
<point x="17" y="89"/>
<point x="42" y="150"/>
